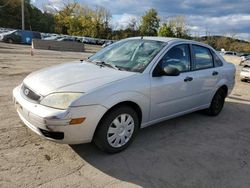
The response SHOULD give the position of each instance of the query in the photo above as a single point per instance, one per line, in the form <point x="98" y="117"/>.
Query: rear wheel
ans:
<point x="117" y="129"/>
<point x="217" y="103"/>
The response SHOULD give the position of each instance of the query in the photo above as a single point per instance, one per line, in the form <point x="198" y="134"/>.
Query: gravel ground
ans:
<point x="190" y="151"/>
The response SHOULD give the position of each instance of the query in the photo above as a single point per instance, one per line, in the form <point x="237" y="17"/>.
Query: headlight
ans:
<point x="60" y="100"/>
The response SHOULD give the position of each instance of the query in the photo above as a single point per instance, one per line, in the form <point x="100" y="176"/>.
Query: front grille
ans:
<point x="53" y="135"/>
<point x="30" y="94"/>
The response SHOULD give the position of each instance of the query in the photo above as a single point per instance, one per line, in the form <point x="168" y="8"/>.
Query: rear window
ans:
<point x="217" y="60"/>
<point x="202" y="57"/>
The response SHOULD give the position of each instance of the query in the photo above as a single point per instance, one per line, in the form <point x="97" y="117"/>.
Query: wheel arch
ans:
<point x="131" y="104"/>
<point x="224" y="85"/>
<point x="224" y="88"/>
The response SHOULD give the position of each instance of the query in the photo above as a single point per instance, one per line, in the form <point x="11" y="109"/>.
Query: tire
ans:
<point x="10" y="41"/>
<point x="243" y="80"/>
<point x="111" y="135"/>
<point x="217" y="103"/>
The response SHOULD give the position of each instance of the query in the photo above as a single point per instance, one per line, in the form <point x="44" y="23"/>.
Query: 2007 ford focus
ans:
<point x="126" y="86"/>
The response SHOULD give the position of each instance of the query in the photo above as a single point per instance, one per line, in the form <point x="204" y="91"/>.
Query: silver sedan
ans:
<point x="126" y="86"/>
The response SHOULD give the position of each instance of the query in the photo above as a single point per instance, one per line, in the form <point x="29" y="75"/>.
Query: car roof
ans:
<point x="169" y="39"/>
<point x="162" y="39"/>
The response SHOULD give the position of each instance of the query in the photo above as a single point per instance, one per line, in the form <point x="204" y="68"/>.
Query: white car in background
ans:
<point x="230" y="53"/>
<point x="128" y="85"/>
<point x="245" y="73"/>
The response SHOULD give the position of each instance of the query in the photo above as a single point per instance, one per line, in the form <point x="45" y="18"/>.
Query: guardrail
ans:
<point x="58" y="45"/>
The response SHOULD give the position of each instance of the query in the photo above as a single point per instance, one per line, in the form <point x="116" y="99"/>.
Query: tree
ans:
<point x="166" y="31"/>
<point x="150" y="23"/>
<point x="76" y="19"/>
<point x="179" y="27"/>
<point x="174" y="27"/>
<point x="133" y="24"/>
<point x="63" y="17"/>
<point x="10" y="13"/>
<point x="35" y="19"/>
<point x="101" y="22"/>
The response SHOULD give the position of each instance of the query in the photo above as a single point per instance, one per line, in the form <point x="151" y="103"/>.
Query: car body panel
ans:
<point x="167" y="100"/>
<point x="159" y="98"/>
<point x="38" y="117"/>
<point x="77" y="77"/>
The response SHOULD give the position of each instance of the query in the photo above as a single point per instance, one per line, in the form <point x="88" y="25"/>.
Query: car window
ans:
<point x="17" y="33"/>
<point x="131" y="55"/>
<point x="217" y="60"/>
<point x="202" y="57"/>
<point x="178" y="57"/>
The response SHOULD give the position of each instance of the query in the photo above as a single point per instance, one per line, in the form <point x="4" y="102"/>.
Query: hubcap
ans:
<point x="120" y="130"/>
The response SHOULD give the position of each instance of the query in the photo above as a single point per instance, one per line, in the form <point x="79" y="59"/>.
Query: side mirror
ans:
<point x="165" y="71"/>
<point x="170" y="71"/>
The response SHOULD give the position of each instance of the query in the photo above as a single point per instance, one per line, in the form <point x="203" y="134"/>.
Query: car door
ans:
<point x="16" y="36"/>
<point x="173" y="95"/>
<point x="193" y="89"/>
<point x="206" y="73"/>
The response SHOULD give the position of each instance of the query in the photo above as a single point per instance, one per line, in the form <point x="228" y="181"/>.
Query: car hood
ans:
<point x="72" y="77"/>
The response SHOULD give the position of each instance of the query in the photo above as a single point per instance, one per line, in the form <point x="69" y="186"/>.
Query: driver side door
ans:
<point x="173" y="95"/>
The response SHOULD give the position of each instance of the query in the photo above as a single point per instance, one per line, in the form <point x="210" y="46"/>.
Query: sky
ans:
<point x="218" y="17"/>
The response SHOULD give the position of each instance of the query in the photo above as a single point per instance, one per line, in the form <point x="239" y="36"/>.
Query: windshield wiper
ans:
<point x="103" y="63"/>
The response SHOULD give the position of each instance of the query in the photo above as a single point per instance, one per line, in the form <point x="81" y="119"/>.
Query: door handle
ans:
<point x="188" y="79"/>
<point x="215" y="73"/>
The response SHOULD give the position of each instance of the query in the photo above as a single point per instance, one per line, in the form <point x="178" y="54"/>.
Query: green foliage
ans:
<point x="150" y="23"/>
<point x="75" y="19"/>
<point x="81" y="20"/>
<point x="166" y="31"/>
<point x="35" y="19"/>
<point x="174" y="27"/>
<point x="227" y="43"/>
<point x="10" y="14"/>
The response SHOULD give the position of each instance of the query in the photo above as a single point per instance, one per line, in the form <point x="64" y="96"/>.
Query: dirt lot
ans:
<point x="189" y="151"/>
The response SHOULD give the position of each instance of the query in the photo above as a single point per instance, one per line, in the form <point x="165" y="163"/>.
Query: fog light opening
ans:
<point x="76" y="121"/>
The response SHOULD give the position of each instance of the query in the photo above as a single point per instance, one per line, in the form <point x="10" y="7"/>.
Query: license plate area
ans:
<point x="21" y="110"/>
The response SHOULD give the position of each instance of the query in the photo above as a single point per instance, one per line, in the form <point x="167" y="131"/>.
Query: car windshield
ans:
<point x="131" y="55"/>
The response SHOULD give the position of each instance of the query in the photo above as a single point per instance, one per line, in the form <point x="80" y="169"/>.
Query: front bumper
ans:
<point x="53" y="124"/>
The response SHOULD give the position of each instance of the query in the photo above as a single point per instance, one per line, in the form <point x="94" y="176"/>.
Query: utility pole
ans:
<point x="22" y="5"/>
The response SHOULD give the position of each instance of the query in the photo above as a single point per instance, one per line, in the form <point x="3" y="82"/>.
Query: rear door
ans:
<point x="193" y="89"/>
<point x="206" y="73"/>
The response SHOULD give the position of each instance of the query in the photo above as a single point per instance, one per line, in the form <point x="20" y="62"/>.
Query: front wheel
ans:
<point x="217" y="103"/>
<point x="117" y="129"/>
<point x="10" y="41"/>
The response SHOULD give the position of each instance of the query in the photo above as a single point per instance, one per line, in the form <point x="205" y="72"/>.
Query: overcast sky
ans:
<point x="219" y="17"/>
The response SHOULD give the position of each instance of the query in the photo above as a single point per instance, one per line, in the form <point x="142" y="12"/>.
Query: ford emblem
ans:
<point x="26" y="91"/>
